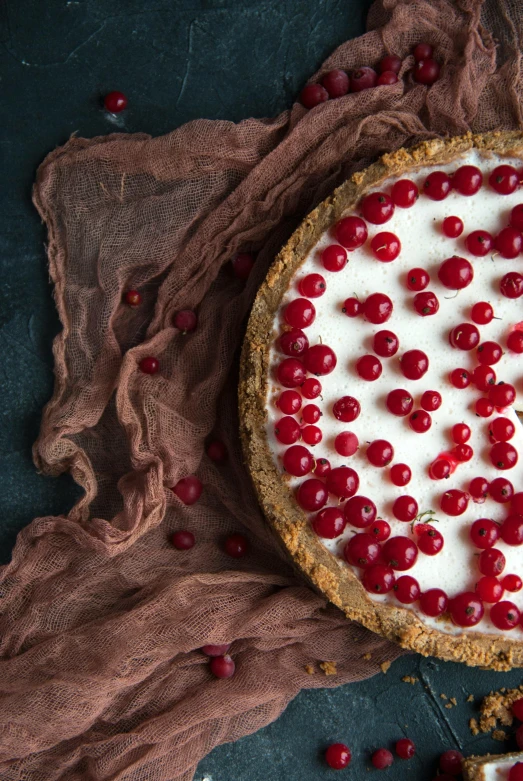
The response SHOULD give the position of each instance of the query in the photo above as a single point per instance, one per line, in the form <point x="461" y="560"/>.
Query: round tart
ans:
<point x="381" y="376"/>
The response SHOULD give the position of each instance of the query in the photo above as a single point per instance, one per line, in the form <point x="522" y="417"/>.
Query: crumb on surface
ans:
<point x="496" y="707"/>
<point x="470" y="698"/>
<point x="385" y="666"/>
<point x="449" y="705"/>
<point x="443" y="696"/>
<point x="309" y="669"/>
<point x="367" y="657"/>
<point x="329" y="668"/>
<point x="453" y="700"/>
<point x="473" y="726"/>
<point x="410" y="679"/>
<point x="499" y="734"/>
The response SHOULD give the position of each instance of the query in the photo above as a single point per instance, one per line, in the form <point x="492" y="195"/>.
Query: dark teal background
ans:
<point x="178" y="60"/>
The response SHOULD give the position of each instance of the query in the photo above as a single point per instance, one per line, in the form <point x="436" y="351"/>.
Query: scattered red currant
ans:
<point x="188" y="489"/>
<point x="479" y="243"/>
<point x="407" y="590"/>
<point x="426" y="72"/>
<point x="489" y="589"/>
<point x="183" y="540"/>
<point x="378" y="579"/>
<point x="489" y="353"/>
<point x="505" y="615"/>
<point x="454" y="502"/>
<point x="502" y="429"/>
<point x="464" y="336"/>
<point x="509" y="242"/>
<point x="417" y="279"/>
<point x="311" y="435"/>
<point x="287" y="430"/>
<point x="297" y="461"/>
<point x="478" y="489"/>
<point x="404" y="193"/>
<point x="430" y="541"/>
<point x="336" y="82"/>
<point x="452" y="227"/>
<point x="450" y="762"/>
<point x="385" y="344"/>
<point x="300" y="313"/>
<point x="362" y="550"/>
<point x="513" y="583"/>
<point x="242" y="265"/>
<point x="426" y="304"/>
<point x="149" y="365"/>
<point x="360" y="511"/>
<point x="456" y="273"/>
<point x="185" y="320"/>
<point x="420" y="421"/>
<point x="337" y="756"/>
<point x="437" y="186"/>
<point x="369" y="367"/>
<point x="405" y="748"/>
<point x="405" y="508"/>
<point x="352" y="307"/>
<point x="515" y="342"/>
<point x="491" y="561"/>
<point x="312" y="95"/>
<point x="329" y="523"/>
<point x="293" y="342"/>
<point x="351" y="232"/>
<point x="379" y="530"/>
<point x="482" y="313"/>
<point x="466" y="609"/>
<point x="467" y="180"/>
<point x="431" y="400"/>
<point x="512" y="530"/>
<point x="133" y="298"/>
<point x="320" y="360"/>
<point x="363" y="78"/>
<point x="377" y="308"/>
<point x="511" y="285"/>
<point x="503" y="455"/>
<point x="386" y="246"/>
<point x="311" y="388"/>
<point x="115" y="101"/>
<point x="312" y="494"/>
<point x="382" y="758"/>
<point x="484" y="533"/>
<point x="346" y="443"/>
<point x="433" y="602"/>
<point x="236" y="546"/>
<point x="215" y="650"/>
<point x="217" y="451"/>
<point x="380" y="452"/>
<point x="334" y="257"/>
<point x="400" y="474"/>
<point x="504" y="179"/>
<point x="400" y="402"/>
<point x="342" y="482"/>
<point x="377" y="208"/>
<point x="222" y="666"/>
<point x="484" y="377"/>
<point x="346" y="409"/>
<point x="312" y="286"/>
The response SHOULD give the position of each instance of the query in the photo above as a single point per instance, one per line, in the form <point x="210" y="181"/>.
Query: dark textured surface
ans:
<point x="176" y="61"/>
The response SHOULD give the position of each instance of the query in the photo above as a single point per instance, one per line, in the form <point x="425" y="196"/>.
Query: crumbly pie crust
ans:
<point x="324" y="570"/>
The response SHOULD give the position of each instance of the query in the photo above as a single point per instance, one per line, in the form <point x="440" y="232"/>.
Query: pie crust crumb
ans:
<point x="385" y="666"/>
<point x="329" y="668"/>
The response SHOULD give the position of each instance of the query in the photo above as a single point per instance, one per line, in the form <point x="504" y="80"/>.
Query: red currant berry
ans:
<point x="405" y="508"/>
<point x="346" y="409"/>
<point x="346" y="443"/>
<point x="351" y="232"/>
<point x="407" y="590"/>
<point x="450" y="762"/>
<point x="362" y="550"/>
<point x="363" y="78"/>
<point x="387" y="78"/>
<point x="517" y="706"/>
<point x="377" y="208"/>
<point x="426" y="304"/>
<point x="312" y="95"/>
<point x="512" y="583"/>
<point x="385" y="344"/>
<point x="336" y="82"/>
<point x="505" y="615"/>
<point x="188" y="489"/>
<point x="479" y="243"/>
<point x="297" y="461"/>
<point x="215" y="650"/>
<point x="300" y="313"/>
<point x="360" y="511"/>
<point x="502" y="429"/>
<point x="437" y="186"/>
<point x="400" y="402"/>
<point x="404" y="193"/>
<point x="414" y="364"/>
<point x="517" y="503"/>
<point x="338" y="755"/>
<point x="311" y="388"/>
<point x="491" y="561"/>
<point x="115" y="101"/>
<point x="320" y="360"/>
<point x="512" y="530"/>
<point x="322" y="468"/>
<point x="311" y="413"/>
<point x="460" y="378"/>
<point x="329" y="523"/>
<point x="454" y="502"/>
<point x="466" y="609"/>
<point x="287" y="430"/>
<point x="382" y="758"/>
<point x="489" y="589"/>
<point x="417" y="279"/>
<point x="242" y="265"/>
<point x="291" y="373"/>
<point x="342" y="482"/>
<point x="503" y="455"/>
<point x="400" y="474"/>
<point x="478" y="489"/>
<point x="452" y="227"/>
<point x="462" y="453"/>
<point x="334" y="257"/>
<point x="380" y="452"/>
<point x="426" y="72"/>
<point x="311" y="435"/>
<point x="439" y="469"/>
<point x="460" y="433"/>
<point x="489" y="353"/>
<point x="391" y="62"/>
<point x="501" y="490"/>
<point x="183" y="540"/>
<point x="464" y="336"/>
<point x="312" y="494"/>
<point x="385" y="246"/>
<point x="431" y="400"/>
<point x="217" y="451"/>
<point x="185" y="320"/>
<point x="377" y="308"/>
<point x="420" y="421"/>
<point x="149" y="365"/>
<point x="379" y="530"/>
<point x="352" y="307"/>
<point x="483" y="408"/>
<point x="133" y="298"/>
<point x="484" y="377"/>
<point x="456" y="273"/>
<point x="289" y="402"/>
<point x="433" y="602"/>
<point x="222" y="666"/>
<point x="482" y="313"/>
<point x="400" y="553"/>
<point x="294" y="343"/>
<point x="504" y="179"/>
<point x="509" y="243"/>
<point x="378" y="579"/>
<point x="312" y="286"/>
<point x="516" y="217"/>
<point x="369" y="368"/>
<point x="502" y="395"/>
<point x="515" y="341"/>
<point x="467" y="180"/>
<point x="423" y="51"/>
<point x="511" y="286"/>
<point x="484" y="533"/>
<point x="430" y="542"/>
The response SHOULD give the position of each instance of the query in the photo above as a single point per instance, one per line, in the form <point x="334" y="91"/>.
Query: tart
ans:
<point x="492" y="767"/>
<point x="380" y="380"/>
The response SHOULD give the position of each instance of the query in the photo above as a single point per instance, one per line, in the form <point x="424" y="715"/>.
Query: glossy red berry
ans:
<point x="489" y="589"/>
<point x="439" y="469"/>
<point x="115" y="101"/>
<point x="363" y="78"/>
<point x="352" y="307"/>
<point x="511" y="285"/>
<point x="312" y="286"/>
<point x="338" y="756"/>
<point x="215" y="650"/>
<point x="300" y="313"/>
<point x="310" y="413"/>
<point x="462" y="453"/>
<point x="382" y="758"/>
<point x="293" y="343"/>
<point x="452" y="227"/>
<point x="360" y="511"/>
<point x="407" y="590"/>
<point x="322" y="468"/>
<point x="222" y="666"/>
<point x="400" y="474"/>
<point x="512" y="530"/>
<point x="149" y="365"/>
<point x="504" y="179"/>
<point x="483" y="408"/>
<point x="450" y="762"/>
<point x="320" y="360"/>
<point x="414" y="364"/>
<point x="431" y="400"/>
<point x="491" y="562"/>
<point x="377" y="308"/>
<point x="404" y="193"/>
<point x="484" y="533"/>
<point x="289" y="402"/>
<point x="379" y="530"/>
<point x="217" y="451"/>
<point x="517" y="706"/>
<point x="505" y="615"/>
<point x="512" y="583"/>
<point x="369" y="367"/>
<point x="312" y="95"/>
<point x="386" y="246"/>
<point x="185" y="320"/>
<point x="460" y="433"/>
<point x="329" y="523"/>
<point x="378" y="579"/>
<point x="509" y="242"/>
<point x="183" y="540"/>
<point x="399" y="402"/>
<point x="454" y="502"/>
<point x="516" y="217"/>
<point x="405" y="748"/>
<point x="417" y="279"/>
<point x="133" y="298"/>
<point x="385" y="344"/>
<point x="188" y="489"/>
<point x="312" y="494"/>
<point x="297" y="461"/>
<point x="387" y="78"/>
<point x="334" y="257"/>
<point x="426" y="304"/>
<point x="420" y="421"/>
<point x="346" y="443"/>
<point x="351" y="232"/>
<point x="482" y="313"/>
<point x="400" y="553"/>
<point x="467" y="180"/>
<point x="362" y="550"/>
<point x="502" y="395"/>
<point x="287" y="430"/>
<point x="466" y="609"/>
<point x="336" y="82"/>
<point x="464" y="336"/>
<point x="478" y="489"/>
<point x="433" y="602"/>
<point x="423" y="51"/>
<point x="489" y="353"/>
<point x="377" y="208"/>
<point x="430" y="541"/>
<point x="311" y="388"/>
<point x="515" y="342"/>
<point x="342" y="482"/>
<point x="479" y="243"/>
<point x="437" y="186"/>
<point x="484" y="377"/>
<point x="405" y="508"/>
<point x="391" y="62"/>
<point x="291" y="373"/>
<point x="503" y="455"/>
<point x="502" y="430"/>
<point x="311" y="435"/>
<point x="380" y="452"/>
<point x="242" y="265"/>
<point x="236" y="546"/>
<point x="346" y="409"/>
<point x="456" y="273"/>
<point x="426" y="72"/>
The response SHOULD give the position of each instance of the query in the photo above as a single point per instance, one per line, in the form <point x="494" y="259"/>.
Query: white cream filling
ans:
<point x="454" y="569"/>
<point x="498" y="769"/>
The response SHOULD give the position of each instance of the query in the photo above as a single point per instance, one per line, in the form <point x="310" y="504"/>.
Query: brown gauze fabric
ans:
<point x="101" y="618"/>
